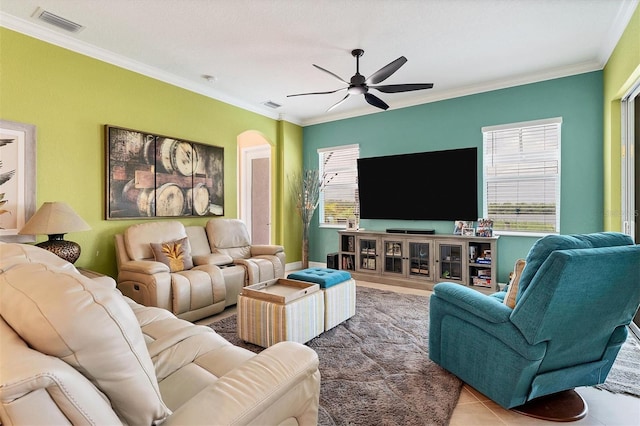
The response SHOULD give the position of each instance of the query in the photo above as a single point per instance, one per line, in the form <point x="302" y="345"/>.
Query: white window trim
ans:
<point x="321" y="222"/>
<point x="531" y="123"/>
<point x="629" y="220"/>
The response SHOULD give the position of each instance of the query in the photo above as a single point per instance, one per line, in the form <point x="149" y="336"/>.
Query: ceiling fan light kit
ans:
<point x="359" y="85"/>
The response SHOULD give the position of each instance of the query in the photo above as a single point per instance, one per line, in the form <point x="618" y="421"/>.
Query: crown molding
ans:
<point x="619" y="25"/>
<point x="469" y="90"/>
<point x="62" y="40"/>
<point x="67" y="42"/>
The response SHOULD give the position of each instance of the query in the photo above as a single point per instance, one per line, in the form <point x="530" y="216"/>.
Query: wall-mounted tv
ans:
<point x="436" y="185"/>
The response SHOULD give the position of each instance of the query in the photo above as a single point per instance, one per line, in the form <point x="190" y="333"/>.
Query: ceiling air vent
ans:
<point x="271" y="104"/>
<point x="57" y="21"/>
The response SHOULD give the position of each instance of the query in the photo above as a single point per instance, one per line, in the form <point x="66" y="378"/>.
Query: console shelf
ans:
<point x="420" y="260"/>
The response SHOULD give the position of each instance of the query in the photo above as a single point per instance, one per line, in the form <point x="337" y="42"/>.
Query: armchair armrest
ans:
<point x="486" y="313"/>
<point x="61" y="393"/>
<point x="148" y="267"/>
<point x="262" y="249"/>
<point x="488" y="308"/>
<point x="217" y="259"/>
<point x="282" y="381"/>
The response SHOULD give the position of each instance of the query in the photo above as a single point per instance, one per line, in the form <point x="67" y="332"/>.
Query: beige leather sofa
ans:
<point x="75" y="351"/>
<point x="224" y="261"/>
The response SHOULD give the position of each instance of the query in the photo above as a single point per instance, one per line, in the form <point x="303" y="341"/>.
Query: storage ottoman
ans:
<point x="278" y="310"/>
<point x="339" y="291"/>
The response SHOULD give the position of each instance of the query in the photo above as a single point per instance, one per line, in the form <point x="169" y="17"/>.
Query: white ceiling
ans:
<point x="263" y="50"/>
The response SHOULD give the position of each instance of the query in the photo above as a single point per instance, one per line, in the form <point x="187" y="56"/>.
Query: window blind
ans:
<point x="522" y="176"/>
<point x="339" y="171"/>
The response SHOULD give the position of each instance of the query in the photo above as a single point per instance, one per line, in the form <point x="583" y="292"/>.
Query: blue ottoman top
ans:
<point x="322" y="276"/>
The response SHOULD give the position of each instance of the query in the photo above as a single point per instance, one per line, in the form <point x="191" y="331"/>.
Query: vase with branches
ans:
<point x="305" y="189"/>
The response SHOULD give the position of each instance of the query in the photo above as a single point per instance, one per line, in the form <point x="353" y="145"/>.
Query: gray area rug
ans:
<point x="624" y="376"/>
<point x="375" y="366"/>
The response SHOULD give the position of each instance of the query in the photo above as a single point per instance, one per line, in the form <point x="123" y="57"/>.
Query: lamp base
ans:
<point x="67" y="250"/>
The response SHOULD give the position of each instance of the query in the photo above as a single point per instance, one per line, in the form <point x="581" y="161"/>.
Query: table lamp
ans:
<point x="56" y="219"/>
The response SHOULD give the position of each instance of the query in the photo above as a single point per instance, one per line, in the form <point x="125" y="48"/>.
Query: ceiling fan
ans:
<point x="358" y="85"/>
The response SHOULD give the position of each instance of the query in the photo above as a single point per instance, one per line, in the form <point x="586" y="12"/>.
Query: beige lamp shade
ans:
<point x="56" y="219"/>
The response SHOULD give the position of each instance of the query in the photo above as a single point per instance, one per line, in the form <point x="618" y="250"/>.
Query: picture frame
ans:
<point x="471" y="232"/>
<point x="152" y="176"/>
<point x="459" y="225"/>
<point x="352" y="224"/>
<point x="485" y="227"/>
<point x="17" y="179"/>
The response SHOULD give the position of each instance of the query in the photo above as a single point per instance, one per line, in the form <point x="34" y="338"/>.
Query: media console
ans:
<point x="419" y="259"/>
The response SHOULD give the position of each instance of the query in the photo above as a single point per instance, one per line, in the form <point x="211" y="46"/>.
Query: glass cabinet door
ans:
<point x="450" y="259"/>
<point x="393" y="257"/>
<point x="419" y="255"/>
<point x="368" y="255"/>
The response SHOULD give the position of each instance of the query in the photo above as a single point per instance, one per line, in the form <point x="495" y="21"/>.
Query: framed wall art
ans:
<point x="151" y="176"/>
<point x="17" y="179"/>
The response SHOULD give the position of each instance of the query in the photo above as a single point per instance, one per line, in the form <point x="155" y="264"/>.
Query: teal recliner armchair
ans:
<point x="576" y="296"/>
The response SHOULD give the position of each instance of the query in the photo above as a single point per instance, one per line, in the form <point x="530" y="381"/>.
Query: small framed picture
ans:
<point x="352" y="224"/>
<point x="459" y="225"/>
<point x="485" y="232"/>
<point x="469" y="232"/>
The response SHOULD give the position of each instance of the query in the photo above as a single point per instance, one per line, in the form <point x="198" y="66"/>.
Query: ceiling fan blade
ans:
<point x="386" y="71"/>
<point x="318" y="93"/>
<point x="375" y="101"/>
<point x="396" y="88"/>
<point x="338" y="103"/>
<point x="331" y="74"/>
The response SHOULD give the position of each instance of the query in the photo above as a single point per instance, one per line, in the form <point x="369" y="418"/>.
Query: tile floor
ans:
<point x="605" y="408"/>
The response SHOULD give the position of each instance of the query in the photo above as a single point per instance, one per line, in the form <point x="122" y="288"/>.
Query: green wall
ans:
<point x="457" y="123"/>
<point x="620" y="74"/>
<point x="70" y="97"/>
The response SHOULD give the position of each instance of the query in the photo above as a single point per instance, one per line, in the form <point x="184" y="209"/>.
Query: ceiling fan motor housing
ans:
<point x="357" y="86"/>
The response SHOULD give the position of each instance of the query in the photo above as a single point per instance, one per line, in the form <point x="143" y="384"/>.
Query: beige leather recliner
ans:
<point x="75" y="351"/>
<point x="262" y="261"/>
<point x="191" y="294"/>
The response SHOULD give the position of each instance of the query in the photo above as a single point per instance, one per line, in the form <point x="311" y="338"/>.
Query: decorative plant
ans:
<point x="306" y="188"/>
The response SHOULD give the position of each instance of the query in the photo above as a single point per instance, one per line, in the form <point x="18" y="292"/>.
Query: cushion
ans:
<point x="175" y="254"/>
<point x="13" y="253"/>
<point x="90" y="327"/>
<point x="546" y="245"/>
<point x="138" y="237"/>
<point x="512" y="290"/>
<point x="229" y="236"/>
<point x="322" y="276"/>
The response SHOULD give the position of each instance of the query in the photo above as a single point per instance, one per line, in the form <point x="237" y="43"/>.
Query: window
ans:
<point x="339" y="171"/>
<point x="522" y="177"/>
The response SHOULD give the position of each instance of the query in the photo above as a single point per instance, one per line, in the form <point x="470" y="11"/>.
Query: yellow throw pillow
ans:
<point x="175" y="254"/>
<point x="512" y="291"/>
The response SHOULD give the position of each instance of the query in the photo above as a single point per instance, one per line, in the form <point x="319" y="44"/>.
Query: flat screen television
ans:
<point x="436" y="185"/>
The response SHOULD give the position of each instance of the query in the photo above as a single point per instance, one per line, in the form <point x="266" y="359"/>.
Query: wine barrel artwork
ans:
<point x="198" y="200"/>
<point x="157" y="176"/>
<point x="176" y="156"/>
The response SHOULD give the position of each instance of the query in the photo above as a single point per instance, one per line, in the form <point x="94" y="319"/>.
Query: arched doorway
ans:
<point x="254" y="185"/>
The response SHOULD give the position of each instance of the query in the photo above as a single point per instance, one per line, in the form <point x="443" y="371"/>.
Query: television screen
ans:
<point x="436" y="185"/>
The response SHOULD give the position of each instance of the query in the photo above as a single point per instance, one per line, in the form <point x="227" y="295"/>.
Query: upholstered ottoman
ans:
<point x="339" y="291"/>
<point x="278" y="310"/>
